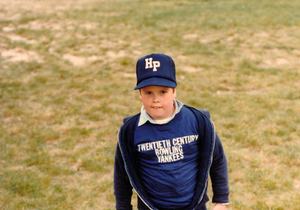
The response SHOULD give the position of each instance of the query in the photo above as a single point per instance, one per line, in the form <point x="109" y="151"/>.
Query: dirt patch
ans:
<point x="79" y="61"/>
<point x="190" y="36"/>
<point x="4" y="16"/>
<point x="190" y="69"/>
<point x="113" y="55"/>
<point x="296" y="184"/>
<point x="8" y="28"/>
<point x="39" y="25"/>
<point x="17" y="38"/>
<point x="129" y="75"/>
<point x="275" y="58"/>
<point x="19" y="54"/>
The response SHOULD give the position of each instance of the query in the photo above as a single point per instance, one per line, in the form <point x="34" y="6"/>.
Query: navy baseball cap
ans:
<point x="155" y="69"/>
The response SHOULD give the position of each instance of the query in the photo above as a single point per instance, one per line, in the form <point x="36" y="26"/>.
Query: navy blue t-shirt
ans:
<point x="167" y="159"/>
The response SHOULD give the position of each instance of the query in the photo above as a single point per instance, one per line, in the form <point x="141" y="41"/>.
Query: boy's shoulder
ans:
<point x="203" y="111"/>
<point x="125" y="119"/>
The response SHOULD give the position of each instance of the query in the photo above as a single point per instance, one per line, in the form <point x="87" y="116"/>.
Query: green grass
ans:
<point x="67" y="73"/>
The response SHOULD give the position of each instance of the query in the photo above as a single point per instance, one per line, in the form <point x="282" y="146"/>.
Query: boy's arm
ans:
<point x="122" y="186"/>
<point x="219" y="175"/>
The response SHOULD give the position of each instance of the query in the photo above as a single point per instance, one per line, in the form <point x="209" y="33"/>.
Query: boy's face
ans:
<point x="158" y="101"/>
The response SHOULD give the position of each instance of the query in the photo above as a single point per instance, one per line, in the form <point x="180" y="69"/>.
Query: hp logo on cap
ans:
<point x="151" y="64"/>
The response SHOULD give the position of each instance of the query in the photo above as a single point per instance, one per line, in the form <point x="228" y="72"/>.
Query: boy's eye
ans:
<point x="148" y="93"/>
<point x="163" y="92"/>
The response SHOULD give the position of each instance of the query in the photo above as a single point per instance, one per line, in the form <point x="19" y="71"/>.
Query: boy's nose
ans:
<point x="156" y="99"/>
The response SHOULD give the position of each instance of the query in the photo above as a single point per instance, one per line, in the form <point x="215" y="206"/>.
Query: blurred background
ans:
<point x="67" y="73"/>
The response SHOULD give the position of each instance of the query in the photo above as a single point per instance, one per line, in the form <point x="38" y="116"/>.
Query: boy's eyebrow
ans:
<point x="145" y="90"/>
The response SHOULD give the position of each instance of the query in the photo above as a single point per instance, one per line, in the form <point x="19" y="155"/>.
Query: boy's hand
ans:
<point x="219" y="207"/>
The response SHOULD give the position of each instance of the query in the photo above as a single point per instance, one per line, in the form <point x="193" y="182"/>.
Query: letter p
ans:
<point x="156" y="64"/>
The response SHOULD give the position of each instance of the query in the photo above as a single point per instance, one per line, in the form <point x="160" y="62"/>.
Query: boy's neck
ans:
<point x="145" y="116"/>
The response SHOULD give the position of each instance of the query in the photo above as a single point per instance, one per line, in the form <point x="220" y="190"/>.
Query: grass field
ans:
<point x="67" y="73"/>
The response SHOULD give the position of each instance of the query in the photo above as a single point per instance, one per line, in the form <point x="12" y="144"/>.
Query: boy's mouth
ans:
<point x="156" y="107"/>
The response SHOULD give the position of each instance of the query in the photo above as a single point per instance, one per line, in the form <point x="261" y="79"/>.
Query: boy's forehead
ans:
<point x="154" y="87"/>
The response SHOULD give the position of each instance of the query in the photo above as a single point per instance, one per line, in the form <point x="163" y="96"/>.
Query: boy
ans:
<point x="168" y="150"/>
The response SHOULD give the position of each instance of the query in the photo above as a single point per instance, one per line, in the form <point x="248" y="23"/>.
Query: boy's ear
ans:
<point x="140" y="94"/>
<point x="174" y="93"/>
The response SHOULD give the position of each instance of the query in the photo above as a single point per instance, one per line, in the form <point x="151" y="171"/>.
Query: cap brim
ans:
<point x="155" y="81"/>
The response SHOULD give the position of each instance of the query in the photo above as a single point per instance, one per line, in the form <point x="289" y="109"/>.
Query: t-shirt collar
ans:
<point x="144" y="117"/>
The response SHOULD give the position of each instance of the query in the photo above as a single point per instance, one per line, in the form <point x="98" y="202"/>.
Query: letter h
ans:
<point x="148" y="63"/>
